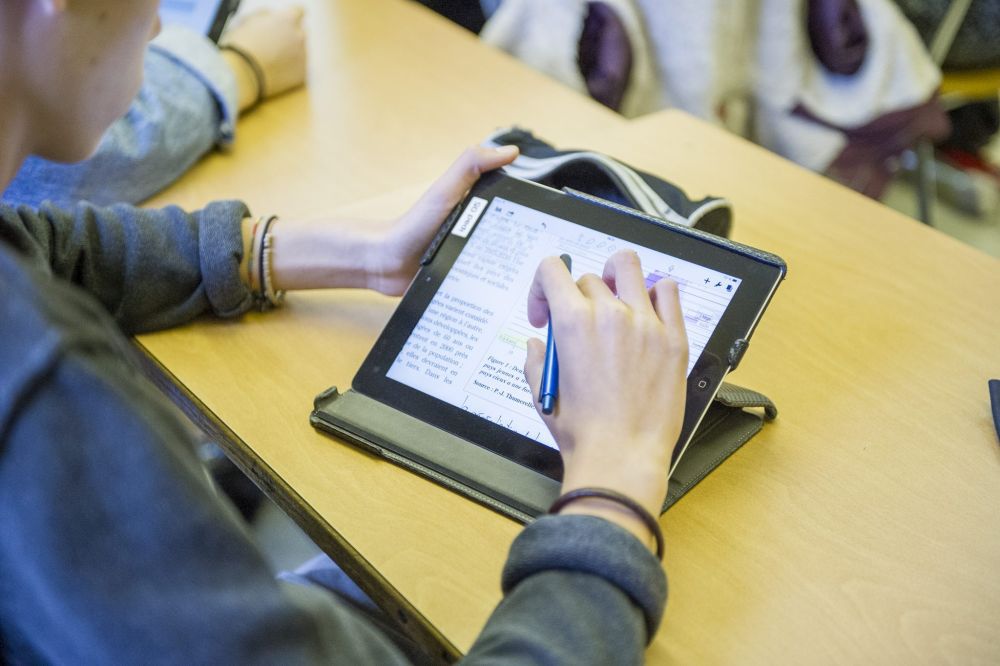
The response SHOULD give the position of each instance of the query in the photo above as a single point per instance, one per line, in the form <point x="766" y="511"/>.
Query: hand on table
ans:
<point x="276" y="40"/>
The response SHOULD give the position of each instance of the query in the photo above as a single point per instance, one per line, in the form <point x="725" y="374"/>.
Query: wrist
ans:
<point x="249" y="88"/>
<point x="617" y="508"/>
<point x="636" y="471"/>
<point x="386" y="267"/>
<point x="320" y="255"/>
<point x="649" y="489"/>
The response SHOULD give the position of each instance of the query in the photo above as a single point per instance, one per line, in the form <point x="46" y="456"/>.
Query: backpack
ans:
<point x="602" y="176"/>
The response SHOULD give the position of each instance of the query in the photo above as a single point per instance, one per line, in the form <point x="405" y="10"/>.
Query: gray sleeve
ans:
<point x="151" y="269"/>
<point x="578" y="590"/>
<point x="116" y="550"/>
<point x="187" y="105"/>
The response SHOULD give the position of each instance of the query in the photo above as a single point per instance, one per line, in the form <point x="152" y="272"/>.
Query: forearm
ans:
<point x="323" y="254"/>
<point x="112" y="533"/>
<point x="577" y="590"/>
<point x="246" y="81"/>
<point x="179" y="114"/>
<point x="149" y="268"/>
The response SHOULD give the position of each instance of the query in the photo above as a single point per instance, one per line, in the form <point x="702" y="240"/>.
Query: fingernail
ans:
<point x="507" y="151"/>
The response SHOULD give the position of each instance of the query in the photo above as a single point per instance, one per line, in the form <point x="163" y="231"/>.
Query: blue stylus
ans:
<point x="550" y="369"/>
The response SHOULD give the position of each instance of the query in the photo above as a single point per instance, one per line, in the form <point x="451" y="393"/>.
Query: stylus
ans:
<point x="994" y="385"/>
<point x="550" y="369"/>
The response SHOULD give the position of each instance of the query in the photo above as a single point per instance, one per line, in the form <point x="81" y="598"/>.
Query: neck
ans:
<point x="13" y="143"/>
<point x="15" y="125"/>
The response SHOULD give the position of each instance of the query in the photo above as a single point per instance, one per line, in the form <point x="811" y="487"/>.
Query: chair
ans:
<point x="957" y="87"/>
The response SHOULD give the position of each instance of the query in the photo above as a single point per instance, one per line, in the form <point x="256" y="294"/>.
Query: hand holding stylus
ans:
<point x="622" y="365"/>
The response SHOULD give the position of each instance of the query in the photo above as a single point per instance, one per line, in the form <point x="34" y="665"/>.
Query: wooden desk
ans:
<point x="395" y="92"/>
<point x="861" y="527"/>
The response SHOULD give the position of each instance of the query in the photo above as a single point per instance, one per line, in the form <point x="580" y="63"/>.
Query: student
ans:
<point x="114" y="547"/>
<point x="191" y="95"/>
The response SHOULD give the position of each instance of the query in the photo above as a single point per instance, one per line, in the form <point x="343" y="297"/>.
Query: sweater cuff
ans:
<point x="200" y="56"/>
<point x="221" y="251"/>
<point x="592" y="545"/>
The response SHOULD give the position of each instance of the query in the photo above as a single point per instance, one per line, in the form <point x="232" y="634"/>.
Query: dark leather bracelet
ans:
<point x="258" y="73"/>
<point x="614" y="496"/>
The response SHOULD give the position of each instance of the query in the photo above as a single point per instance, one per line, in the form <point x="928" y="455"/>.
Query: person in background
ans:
<point x="191" y="96"/>
<point x="115" y="547"/>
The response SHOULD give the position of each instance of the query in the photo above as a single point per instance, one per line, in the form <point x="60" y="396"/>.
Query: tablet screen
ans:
<point x="199" y="15"/>
<point x="468" y="347"/>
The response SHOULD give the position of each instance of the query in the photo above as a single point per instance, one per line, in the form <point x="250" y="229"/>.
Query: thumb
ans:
<point x="449" y="189"/>
<point x="533" y="367"/>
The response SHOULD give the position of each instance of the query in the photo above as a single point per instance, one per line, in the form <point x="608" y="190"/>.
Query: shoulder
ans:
<point x="42" y="319"/>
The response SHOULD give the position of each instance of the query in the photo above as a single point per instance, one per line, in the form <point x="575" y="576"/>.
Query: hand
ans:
<point x="328" y="253"/>
<point x="276" y="40"/>
<point x="622" y="366"/>
<point x="396" y="254"/>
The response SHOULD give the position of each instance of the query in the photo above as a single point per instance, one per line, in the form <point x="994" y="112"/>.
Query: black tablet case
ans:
<point x="736" y="415"/>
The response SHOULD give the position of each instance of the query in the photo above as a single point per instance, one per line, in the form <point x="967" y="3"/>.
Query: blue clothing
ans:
<point x="186" y="106"/>
<point x="115" y="549"/>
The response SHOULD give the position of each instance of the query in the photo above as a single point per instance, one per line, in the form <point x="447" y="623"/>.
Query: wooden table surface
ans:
<point x="860" y="527"/>
<point x="395" y="92"/>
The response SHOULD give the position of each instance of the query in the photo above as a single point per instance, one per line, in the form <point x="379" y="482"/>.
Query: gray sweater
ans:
<point x="115" y="549"/>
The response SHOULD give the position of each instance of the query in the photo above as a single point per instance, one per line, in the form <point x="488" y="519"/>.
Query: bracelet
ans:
<point x="265" y="296"/>
<point x="614" y="496"/>
<point x="258" y="74"/>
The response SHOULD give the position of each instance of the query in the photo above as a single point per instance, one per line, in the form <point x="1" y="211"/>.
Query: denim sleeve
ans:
<point x="151" y="269"/>
<point x="187" y="104"/>
<point x="577" y="590"/>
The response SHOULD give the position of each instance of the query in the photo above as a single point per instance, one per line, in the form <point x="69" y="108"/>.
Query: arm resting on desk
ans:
<point x="150" y="269"/>
<point x="187" y="105"/>
<point x="578" y="590"/>
<point x="116" y="548"/>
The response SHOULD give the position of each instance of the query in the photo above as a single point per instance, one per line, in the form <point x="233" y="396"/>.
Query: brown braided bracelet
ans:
<point x="614" y="496"/>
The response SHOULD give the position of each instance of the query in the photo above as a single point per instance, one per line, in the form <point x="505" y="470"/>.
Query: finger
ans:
<point x="449" y="189"/>
<point x="666" y="301"/>
<point x="533" y="363"/>
<point x="623" y="274"/>
<point x="551" y="289"/>
<point x="594" y="288"/>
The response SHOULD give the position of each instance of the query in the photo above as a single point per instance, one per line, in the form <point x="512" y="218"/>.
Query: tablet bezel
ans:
<point x="224" y="9"/>
<point x="760" y="273"/>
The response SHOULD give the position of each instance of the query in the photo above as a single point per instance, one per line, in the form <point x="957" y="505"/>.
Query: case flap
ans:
<point x="726" y="427"/>
<point x="505" y="486"/>
<point x="490" y="479"/>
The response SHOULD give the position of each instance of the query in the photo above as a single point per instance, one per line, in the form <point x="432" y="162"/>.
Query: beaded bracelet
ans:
<point x="265" y="296"/>
<point x="614" y="496"/>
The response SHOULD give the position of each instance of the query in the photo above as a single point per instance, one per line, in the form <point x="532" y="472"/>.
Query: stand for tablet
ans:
<point x="736" y="415"/>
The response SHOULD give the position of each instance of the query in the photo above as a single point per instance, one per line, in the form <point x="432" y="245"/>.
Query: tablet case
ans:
<point x="736" y="415"/>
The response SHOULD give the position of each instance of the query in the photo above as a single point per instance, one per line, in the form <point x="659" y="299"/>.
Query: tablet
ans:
<point x="207" y="17"/>
<point x="452" y="354"/>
